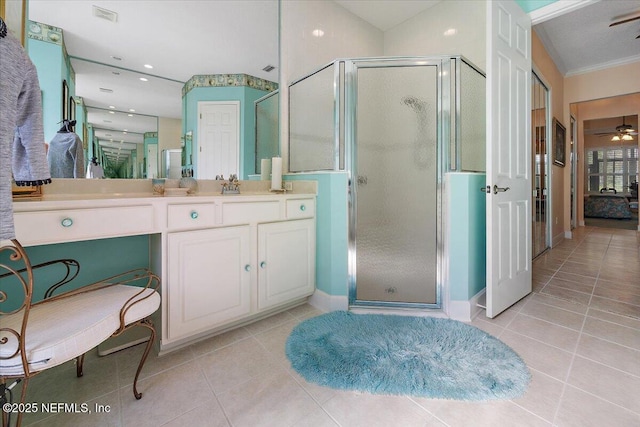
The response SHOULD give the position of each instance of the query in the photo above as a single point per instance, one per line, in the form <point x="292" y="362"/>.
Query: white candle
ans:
<point x="265" y="169"/>
<point x="276" y="173"/>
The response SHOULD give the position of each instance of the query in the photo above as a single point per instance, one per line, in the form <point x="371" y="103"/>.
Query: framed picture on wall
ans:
<point x="559" y="143"/>
<point x="65" y="100"/>
<point x="72" y="108"/>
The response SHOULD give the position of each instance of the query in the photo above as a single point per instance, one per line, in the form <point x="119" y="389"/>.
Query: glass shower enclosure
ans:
<point x="396" y="126"/>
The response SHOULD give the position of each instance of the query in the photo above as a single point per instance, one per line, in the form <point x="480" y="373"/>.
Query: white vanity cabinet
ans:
<point x="235" y="260"/>
<point x="286" y="261"/>
<point x="224" y="261"/>
<point x="209" y="279"/>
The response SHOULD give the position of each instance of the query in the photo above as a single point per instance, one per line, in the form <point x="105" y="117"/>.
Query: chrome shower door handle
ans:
<point x="497" y="189"/>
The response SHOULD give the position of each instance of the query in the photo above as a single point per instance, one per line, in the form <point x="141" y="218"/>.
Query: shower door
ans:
<point x="394" y="213"/>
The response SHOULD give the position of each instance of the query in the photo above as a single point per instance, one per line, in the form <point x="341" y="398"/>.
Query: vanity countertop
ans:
<point x="96" y="193"/>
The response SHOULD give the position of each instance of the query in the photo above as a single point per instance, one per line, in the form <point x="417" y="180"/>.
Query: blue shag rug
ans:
<point x="401" y="355"/>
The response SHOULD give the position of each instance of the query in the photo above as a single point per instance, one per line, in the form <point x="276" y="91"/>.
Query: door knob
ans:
<point x="497" y="189"/>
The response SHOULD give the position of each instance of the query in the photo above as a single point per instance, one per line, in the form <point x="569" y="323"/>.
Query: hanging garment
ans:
<point x="94" y="170"/>
<point x="65" y="156"/>
<point x="21" y="133"/>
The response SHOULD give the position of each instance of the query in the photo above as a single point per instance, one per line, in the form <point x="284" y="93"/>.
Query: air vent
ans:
<point x="269" y="68"/>
<point x="106" y="90"/>
<point x="99" y="12"/>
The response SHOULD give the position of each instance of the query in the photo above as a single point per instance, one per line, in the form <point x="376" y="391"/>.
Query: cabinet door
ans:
<point x="286" y="261"/>
<point x="209" y="279"/>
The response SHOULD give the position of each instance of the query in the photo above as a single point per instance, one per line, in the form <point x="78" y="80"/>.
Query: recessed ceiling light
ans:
<point x="144" y="79"/>
<point x="451" y="32"/>
<point x="132" y="110"/>
<point x="112" y="112"/>
<point x="317" y="32"/>
<point x="112" y="107"/>
<point x="130" y="115"/>
<point x="148" y="66"/>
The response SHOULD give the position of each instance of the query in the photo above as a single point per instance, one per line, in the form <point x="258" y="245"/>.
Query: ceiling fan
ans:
<point x="621" y="132"/>
<point x="624" y="21"/>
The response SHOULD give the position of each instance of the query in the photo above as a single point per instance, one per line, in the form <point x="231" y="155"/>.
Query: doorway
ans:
<point x="218" y="139"/>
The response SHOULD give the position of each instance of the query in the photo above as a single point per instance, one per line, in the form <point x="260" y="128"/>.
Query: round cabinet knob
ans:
<point x="67" y="222"/>
<point x="194" y="215"/>
<point x="263" y="264"/>
<point x="247" y="267"/>
<point x="303" y="208"/>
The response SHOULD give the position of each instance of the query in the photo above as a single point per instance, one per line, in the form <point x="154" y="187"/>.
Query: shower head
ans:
<point x="414" y="103"/>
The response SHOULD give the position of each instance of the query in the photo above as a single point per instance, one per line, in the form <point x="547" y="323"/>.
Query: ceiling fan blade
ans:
<point x="624" y="21"/>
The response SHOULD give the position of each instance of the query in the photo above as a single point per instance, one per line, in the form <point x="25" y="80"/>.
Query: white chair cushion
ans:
<point x="62" y="330"/>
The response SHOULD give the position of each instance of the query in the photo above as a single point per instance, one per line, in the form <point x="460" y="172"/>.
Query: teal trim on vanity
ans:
<point x="467" y="234"/>
<point x="331" y="230"/>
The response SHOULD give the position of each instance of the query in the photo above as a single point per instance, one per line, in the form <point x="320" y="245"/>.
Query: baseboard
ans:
<point x="568" y="235"/>
<point x="557" y="239"/>
<point x="325" y="302"/>
<point x="466" y="310"/>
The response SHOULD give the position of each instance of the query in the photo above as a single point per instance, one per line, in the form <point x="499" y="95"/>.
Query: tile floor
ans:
<point x="579" y="333"/>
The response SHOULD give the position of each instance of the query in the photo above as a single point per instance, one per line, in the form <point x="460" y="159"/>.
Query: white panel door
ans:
<point x="152" y="161"/>
<point x="508" y="155"/>
<point x="218" y="139"/>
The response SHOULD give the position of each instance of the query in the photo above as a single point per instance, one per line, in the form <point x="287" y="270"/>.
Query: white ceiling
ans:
<point x="582" y="40"/>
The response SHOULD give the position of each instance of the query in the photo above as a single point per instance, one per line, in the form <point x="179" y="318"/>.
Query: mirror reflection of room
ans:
<point x="65" y="155"/>
<point x="135" y="105"/>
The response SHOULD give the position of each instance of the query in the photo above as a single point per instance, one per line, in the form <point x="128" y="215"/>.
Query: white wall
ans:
<point x="424" y="33"/>
<point x="348" y="36"/>
<point x="169" y="132"/>
<point x="345" y="36"/>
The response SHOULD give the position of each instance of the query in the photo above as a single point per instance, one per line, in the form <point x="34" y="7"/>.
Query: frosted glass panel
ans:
<point x="267" y="129"/>
<point x="312" y="123"/>
<point x="472" y="120"/>
<point x="396" y="168"/>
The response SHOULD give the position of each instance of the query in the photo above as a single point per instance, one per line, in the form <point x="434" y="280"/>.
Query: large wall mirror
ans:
<point x="131" y="60"/>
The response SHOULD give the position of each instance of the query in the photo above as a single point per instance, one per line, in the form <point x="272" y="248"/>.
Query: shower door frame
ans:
<point x="444" y="129"/>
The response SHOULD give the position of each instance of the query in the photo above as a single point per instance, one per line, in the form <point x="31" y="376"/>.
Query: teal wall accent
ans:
<point x="45" y="45"/>
<point x="99" y="259"/>
<point x="331" y="230"/>
<point x="467" y="234"/>
<point x="530" y="5"/>
<point x="42" y="55"/>
<point x="247" y="97"/>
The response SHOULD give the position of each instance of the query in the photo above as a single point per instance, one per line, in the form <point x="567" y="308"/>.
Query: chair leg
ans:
<point x="23" y="398"/>
<point x="147" y="324"/>
<point x="79" y="363"/>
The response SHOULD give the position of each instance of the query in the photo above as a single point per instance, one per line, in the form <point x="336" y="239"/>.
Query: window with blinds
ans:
<point x="615" y="167"/>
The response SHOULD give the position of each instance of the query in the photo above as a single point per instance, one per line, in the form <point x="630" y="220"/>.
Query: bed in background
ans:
<point x="607" y="205"/>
